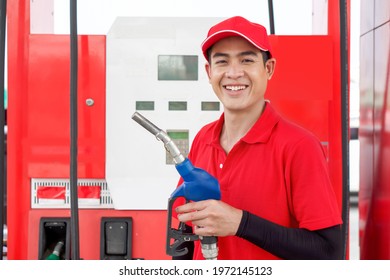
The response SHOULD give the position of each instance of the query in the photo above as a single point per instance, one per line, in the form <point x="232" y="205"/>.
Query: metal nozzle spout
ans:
<point x="148" y="125"/>
<point x="160" y="134"/>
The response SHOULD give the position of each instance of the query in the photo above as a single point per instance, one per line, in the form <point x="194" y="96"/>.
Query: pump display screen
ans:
<point x="177" y="67"/>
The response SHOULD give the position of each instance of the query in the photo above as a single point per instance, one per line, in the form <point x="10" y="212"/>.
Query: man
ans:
<point x="277" y="198"/>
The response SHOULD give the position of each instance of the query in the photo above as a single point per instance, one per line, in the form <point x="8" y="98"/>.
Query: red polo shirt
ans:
<point x="277" y="171"/>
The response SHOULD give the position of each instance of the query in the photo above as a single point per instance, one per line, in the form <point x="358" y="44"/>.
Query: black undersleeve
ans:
<point x="291" y="243"/>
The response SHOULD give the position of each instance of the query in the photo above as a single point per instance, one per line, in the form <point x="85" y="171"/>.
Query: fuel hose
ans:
<point x="74" y="209"/>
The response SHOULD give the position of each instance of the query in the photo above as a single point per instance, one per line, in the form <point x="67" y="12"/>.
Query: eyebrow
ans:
<point x="244" y="53"/>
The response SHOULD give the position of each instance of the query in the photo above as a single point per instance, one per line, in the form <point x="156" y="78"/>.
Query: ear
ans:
<point x="208" y="69"/>
<point x="270" y="67"/>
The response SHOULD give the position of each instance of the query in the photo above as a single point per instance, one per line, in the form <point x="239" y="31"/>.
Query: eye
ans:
<point x="220" y="61"/>
<point x="247" y="60"/>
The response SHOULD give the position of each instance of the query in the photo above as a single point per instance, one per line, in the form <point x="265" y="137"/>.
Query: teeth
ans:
<point x="234" y="88"/>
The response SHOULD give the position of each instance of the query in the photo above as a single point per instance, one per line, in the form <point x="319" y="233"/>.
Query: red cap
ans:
<point x="254" y="33"/>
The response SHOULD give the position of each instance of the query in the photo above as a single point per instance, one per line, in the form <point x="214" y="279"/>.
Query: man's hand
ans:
<point x="210" y="217"/>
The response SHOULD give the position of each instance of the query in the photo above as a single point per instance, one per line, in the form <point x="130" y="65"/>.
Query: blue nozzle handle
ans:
<point x="198" y="184"/>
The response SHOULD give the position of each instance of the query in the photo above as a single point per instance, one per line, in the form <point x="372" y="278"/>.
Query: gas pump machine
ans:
<point x="149" y="65"/>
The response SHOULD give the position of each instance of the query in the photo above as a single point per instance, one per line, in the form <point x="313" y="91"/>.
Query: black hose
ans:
<point x="3" y="183"/>
<point x="271" y="16"/>
<point x="344" y="121"/>
<point x="74" y="221"/>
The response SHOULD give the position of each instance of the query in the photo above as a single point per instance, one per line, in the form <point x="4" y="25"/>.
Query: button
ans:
<point x="221" y="165"/>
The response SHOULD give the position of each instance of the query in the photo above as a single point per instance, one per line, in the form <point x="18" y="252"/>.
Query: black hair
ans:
<point x="266" y="55"/>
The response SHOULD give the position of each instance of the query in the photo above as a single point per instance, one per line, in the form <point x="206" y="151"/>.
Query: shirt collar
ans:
<point x="262" y="129"/>
<point x="259" y="133"/>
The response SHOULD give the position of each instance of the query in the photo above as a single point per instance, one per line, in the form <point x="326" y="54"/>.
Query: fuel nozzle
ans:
<point x="197" y="185"/>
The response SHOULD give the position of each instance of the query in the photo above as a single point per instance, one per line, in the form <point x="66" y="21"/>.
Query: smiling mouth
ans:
<point x="235" y="88"/>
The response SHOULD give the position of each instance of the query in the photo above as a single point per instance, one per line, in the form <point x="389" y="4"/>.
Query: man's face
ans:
<point x="238" y="75"/>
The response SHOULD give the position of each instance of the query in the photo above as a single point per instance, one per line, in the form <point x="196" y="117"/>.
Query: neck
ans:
<point x="236" y="125"/>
